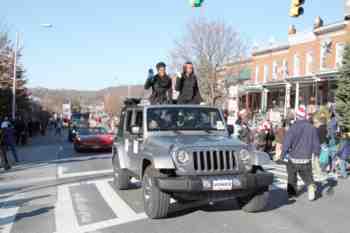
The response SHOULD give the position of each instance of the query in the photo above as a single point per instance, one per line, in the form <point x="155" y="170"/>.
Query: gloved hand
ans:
<point x="178" y="75"/>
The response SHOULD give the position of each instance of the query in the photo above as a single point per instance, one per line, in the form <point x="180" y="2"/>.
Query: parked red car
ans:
<point x="93" y="139"/>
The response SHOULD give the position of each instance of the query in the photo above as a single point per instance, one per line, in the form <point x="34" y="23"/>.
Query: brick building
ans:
<point x="300" y="71"/>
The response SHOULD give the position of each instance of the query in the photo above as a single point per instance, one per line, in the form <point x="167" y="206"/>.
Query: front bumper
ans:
<point x="215" y="183"/>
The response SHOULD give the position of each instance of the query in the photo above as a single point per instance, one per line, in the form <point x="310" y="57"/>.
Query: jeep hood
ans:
<point x="193" y="141"/>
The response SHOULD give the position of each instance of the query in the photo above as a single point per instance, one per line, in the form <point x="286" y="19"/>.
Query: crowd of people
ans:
<point x="307" y="145"/>
<point x="17" y="132"/>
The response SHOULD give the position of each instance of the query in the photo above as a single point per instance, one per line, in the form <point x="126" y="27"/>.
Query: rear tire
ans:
<point x="78" y="149"/>
<point x="120" y="176"/>
<point x="156" y="202"/>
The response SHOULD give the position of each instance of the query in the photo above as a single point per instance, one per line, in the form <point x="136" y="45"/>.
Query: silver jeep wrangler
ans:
<point x="186" y="152"/>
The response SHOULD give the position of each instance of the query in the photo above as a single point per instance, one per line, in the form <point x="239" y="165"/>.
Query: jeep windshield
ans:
<point x="184" y="118"/>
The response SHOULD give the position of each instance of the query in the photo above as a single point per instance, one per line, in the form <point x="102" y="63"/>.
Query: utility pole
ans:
<point x="14" y="80"/>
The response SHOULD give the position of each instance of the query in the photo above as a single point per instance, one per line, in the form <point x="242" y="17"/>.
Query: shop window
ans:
<point x="339" y="52"/>
<point x="257" y="74"/>
<point x="296" y="71"/>
<point x="309" y="63"/>
<point x="266" y="73"/>
<point x="274" y="70"/>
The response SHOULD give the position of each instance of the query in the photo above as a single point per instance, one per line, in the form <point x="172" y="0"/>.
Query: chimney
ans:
<point x="318" y="22"/>
<point x="292" y="30"/>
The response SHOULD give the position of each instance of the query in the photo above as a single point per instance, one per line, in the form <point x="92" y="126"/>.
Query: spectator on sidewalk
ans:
<point x="3" y="155"/>
<point x="332" y="128"/>
<point x="321" y="127"/>
<point x="5" y="123"/>
<point x="301" y="143"/>
<point x="10" y="142"/>
<point x="344" y="155"/>
<point x="59" y="127"/>
<point x="20" y="130"/>
<point x="280" y="133"/>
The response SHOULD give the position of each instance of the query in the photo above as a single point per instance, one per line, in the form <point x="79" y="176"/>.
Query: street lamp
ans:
<point x="14" y="80"/>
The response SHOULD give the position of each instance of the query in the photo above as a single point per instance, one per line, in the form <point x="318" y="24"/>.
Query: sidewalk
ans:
<point x="36" y="164"/>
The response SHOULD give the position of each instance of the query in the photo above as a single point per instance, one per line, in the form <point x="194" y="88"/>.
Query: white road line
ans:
<point x="61" y="174"/>
<point x="7" y="218"/>
<point x="108" y="223"/>
<point x="117" y="204"/>
<point x="66" y="220"/>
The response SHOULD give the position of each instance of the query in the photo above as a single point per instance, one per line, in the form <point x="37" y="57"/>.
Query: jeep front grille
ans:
<point x="222" y="160"/>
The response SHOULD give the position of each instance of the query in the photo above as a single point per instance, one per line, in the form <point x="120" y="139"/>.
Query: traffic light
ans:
<point x="196" y="3"/>
<point x="296" y="8"/>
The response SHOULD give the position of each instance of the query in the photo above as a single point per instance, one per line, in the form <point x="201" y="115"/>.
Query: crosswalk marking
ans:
<point x="7" y="217"/>
<point x="61" y="173"/>
<point x="66" y="220"/>
<point x="118" y="205"/>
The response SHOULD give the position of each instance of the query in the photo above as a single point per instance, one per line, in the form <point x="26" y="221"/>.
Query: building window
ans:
<point x="274" y="70"/>
<point x="339" y="52"/>
<point x="266" y="73"/>
<point x="296" y="71"/>
<point x="326" y="53"/>
<point x="309" y="63"/>
<point x="257" y="74"/>
<point x="284" y="69"/>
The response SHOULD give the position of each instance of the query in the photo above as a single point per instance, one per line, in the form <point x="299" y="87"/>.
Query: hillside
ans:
<point x="52" y="99"/>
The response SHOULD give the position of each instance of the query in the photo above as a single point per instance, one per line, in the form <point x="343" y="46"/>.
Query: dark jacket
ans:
<point x="9" y="136"/>
<point x="189" y="90"/>
<point x="161" y="89"/>
<point x="245" y="134"/>
<point x="322" y="133"/>
<point x="301" y="141"/>
<point x="344" y="151"/>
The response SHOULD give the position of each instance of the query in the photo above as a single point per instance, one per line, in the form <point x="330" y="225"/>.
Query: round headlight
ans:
<point x="244" y="155"/>
<point x="182" y="157"/>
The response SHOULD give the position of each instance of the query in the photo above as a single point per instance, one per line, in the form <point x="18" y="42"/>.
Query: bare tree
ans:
<point x="209" y="45"/>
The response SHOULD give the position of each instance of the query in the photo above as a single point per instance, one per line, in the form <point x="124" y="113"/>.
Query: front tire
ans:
<point x="156" y="202"/>
<point x="254" y="203"/>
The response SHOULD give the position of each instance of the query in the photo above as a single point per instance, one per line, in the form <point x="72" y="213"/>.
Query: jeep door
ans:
<point x="121" y="142"/>
<point x="136" y="141"/>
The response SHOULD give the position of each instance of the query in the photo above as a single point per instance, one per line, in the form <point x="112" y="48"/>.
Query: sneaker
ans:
<point x="311" y="192"/>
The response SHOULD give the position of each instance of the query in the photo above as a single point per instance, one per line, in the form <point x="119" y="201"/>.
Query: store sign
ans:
<point x="347" y="8"/>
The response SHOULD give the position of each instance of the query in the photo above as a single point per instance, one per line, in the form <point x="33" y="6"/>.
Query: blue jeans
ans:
<point x="12" y="148"/>
<point x="343" y="166"/>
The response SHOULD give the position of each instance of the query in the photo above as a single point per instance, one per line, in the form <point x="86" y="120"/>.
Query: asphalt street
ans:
<point x="56" y="190"/>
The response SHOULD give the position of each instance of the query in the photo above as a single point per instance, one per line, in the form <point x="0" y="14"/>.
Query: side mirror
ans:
<point x="136" y="130"/>
<point x="230" y="129"/>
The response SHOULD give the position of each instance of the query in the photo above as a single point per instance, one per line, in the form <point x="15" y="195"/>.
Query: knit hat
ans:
<point x="301" y="113"/>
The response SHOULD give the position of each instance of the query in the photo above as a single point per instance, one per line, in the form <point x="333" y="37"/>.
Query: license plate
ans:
<point x="220" y="185"/>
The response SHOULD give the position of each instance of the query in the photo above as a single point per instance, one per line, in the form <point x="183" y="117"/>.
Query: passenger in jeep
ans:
<point x="187" y="85"/>
<point x="161" y="86"/>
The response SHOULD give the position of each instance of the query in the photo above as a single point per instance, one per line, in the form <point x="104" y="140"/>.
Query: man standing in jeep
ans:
<point x="161" y="86"/>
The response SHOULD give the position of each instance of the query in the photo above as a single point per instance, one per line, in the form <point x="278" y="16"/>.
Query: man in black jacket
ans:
<point x="187" y="85"/>
<point x="161" y="86"/>
<point x="301" y="142"/>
